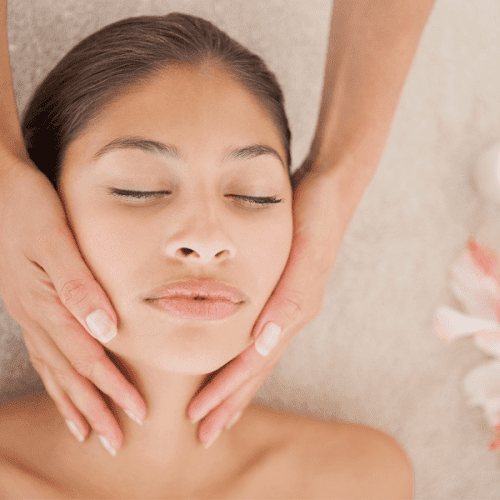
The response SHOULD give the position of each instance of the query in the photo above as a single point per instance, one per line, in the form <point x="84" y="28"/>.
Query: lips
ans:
<point x="201" y="288"/>
<point x="204" y="299"/>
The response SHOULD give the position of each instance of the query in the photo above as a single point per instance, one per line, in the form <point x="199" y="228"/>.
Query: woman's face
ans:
<point x="194" y="226"/>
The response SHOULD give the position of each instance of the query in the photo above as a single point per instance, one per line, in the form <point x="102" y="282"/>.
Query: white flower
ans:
<point x="482" y="388"/>
<point x="475" y="282"/>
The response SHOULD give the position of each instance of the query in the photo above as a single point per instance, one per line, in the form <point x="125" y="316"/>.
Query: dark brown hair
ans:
<point x="123" y="55"/>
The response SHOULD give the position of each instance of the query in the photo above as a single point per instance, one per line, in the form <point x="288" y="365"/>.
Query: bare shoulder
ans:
<point x="338" y="459"/>
<point x="19" y="418"/>
<point x="362" y="462"/>
<point x="30" y="415"/>
<point x="16" y="481"/>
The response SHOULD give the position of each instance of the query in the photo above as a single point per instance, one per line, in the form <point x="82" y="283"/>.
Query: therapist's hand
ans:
<point x="296" y="300"/>
<point x="48" y="289"/>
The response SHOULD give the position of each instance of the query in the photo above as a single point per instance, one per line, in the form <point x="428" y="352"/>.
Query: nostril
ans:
<point x="186" y="251"/>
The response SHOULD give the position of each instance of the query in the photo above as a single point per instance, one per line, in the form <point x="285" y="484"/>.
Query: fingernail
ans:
<point x="268" y="339"/>
<point x="133" y="417"/>
<point x="101" y="326"/>
<point x="74" y="430"/>
<point x="235" y="419"/>
<point x="210" y="442"/>
<point x="106" y="445"/>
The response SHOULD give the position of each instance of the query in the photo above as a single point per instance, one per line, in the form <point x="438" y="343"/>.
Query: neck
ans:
<point x="166" y="445"/>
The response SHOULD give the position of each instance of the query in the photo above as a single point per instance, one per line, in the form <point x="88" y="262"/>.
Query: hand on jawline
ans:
<point x="295" y="301"/>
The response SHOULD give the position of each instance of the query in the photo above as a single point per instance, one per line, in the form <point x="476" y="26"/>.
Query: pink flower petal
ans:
<point x="450" y="324"/>
<point x="478" y="292"/>
<point x="485" y="258"/>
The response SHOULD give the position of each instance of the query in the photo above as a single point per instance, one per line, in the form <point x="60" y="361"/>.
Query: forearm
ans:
<point x="11" y="143"/>
<point x="371" y="48"/>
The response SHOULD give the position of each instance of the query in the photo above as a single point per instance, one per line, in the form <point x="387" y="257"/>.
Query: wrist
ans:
<point x="344" y="178"/>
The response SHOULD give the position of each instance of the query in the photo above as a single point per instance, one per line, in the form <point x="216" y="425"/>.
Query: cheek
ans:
<point x="268" y="250"/>
<point x="113" y="247"/>
<point x="108" y="240"/>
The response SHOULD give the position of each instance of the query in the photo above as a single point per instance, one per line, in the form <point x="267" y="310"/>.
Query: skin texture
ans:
<point x="49" y="290"/>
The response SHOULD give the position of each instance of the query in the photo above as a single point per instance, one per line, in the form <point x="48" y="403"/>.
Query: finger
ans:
<point x="289" y="307"/>
<point x="79" y="427"/>
<point x="247" y="365"/>
<point x="63" y="382"/>
<point x="232" y="376"/>
<point x="223" y="415"/>
<point x="76" y="287"/>
<point x="299" y="294"/>
<point x="89" y="359"/>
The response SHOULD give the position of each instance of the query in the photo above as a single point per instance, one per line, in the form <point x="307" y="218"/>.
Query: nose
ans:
<point x="203" y="241"/>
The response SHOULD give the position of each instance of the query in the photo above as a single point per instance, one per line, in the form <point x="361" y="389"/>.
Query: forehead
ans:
<point x="198" y="109"/>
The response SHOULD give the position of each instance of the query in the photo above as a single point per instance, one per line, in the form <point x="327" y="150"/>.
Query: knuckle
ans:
<point x="292" y="307"/>
<point x="87" y="367"/>
<point x="73" y="292"/>
<point x="64" y="377"/>
<point x="84" y="367"/>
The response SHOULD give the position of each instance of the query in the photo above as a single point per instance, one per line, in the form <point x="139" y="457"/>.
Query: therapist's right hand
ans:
<point x="48" y="289"/>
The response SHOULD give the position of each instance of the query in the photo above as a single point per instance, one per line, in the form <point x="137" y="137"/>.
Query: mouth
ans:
<point x="199" y="308"/>
<point x="197" y="298"/>
<point x="199" y="290"/>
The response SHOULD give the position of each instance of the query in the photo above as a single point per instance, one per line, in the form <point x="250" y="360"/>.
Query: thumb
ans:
<point x="76" y="286"/>
<point x="296" y="299"/>
<point x="282" y="310"/>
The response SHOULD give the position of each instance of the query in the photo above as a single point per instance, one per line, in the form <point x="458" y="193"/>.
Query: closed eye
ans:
<point x="146" y="195"/>
<point x="138" y="195"/>
<point x="263" y="201"/>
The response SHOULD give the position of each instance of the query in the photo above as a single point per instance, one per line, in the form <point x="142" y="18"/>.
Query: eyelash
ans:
<point x="143" y="195"/>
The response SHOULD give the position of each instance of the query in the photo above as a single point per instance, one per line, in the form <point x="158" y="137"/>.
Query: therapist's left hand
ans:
<point x="296" y="300"/>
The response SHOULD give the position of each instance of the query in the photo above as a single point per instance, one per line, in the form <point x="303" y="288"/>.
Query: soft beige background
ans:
<point x="370" y="356"/>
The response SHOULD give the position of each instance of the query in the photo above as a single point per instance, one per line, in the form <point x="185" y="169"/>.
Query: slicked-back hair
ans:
<point x="124" y="55"/>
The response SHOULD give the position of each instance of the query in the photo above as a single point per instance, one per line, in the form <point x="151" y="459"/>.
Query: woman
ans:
<point x="172" y="155"/>
<point x="371" y="47"/>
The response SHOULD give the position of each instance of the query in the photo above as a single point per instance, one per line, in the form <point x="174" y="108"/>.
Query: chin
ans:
<point x="187" y="351"/>
<point x="170" y="362"/>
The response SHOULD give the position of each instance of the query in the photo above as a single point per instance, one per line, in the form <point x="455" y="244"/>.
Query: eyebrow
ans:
<point x="171" y="152"/>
